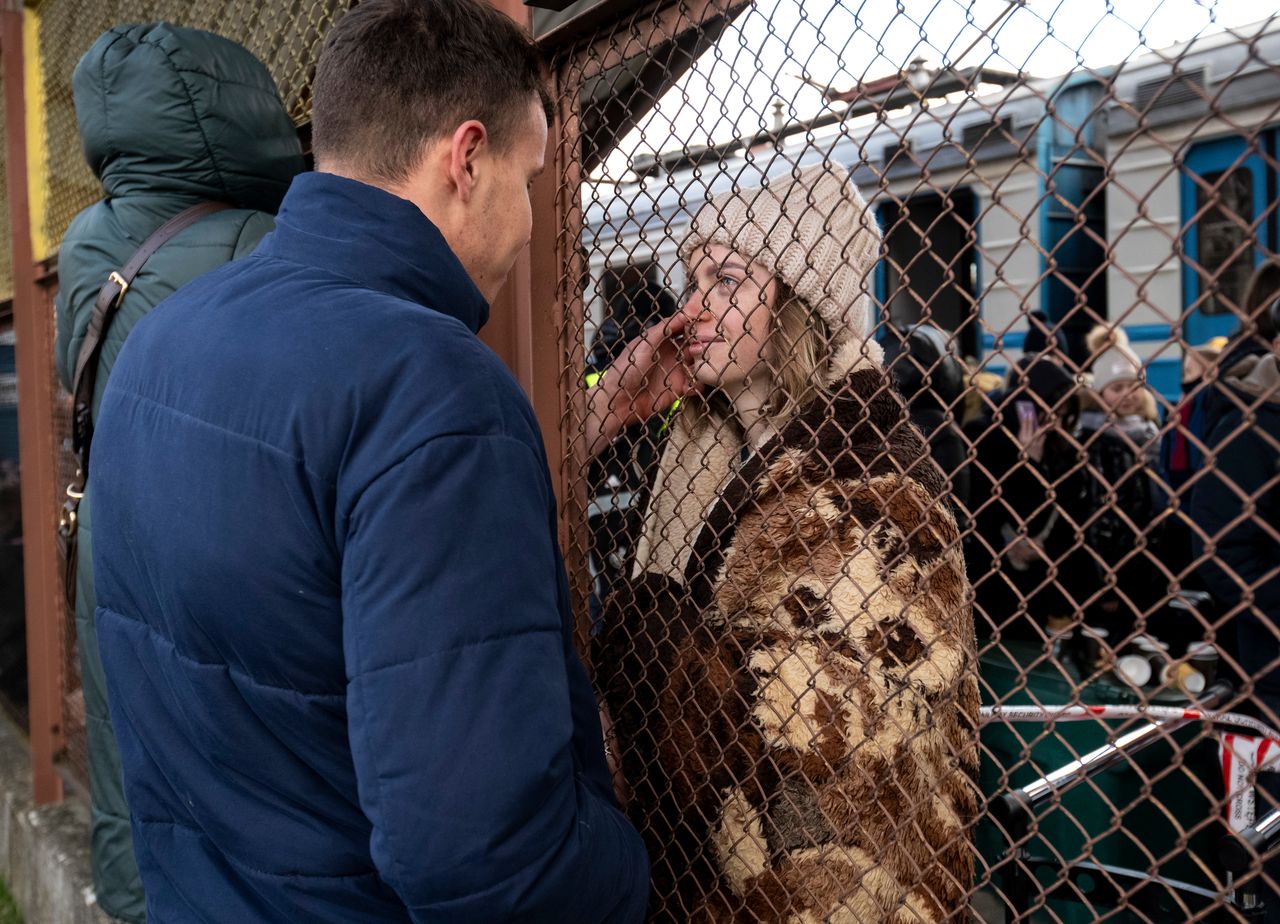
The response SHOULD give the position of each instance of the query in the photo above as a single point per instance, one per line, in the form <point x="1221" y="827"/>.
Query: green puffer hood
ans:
<point x="165" y="109"/>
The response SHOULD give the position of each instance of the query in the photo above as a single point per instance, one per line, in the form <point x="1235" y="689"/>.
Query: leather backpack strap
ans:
<point x="110" y="295"/>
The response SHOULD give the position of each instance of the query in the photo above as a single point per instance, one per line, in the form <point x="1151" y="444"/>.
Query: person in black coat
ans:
<point x="1027" y="462"/>
<point x="617" y="478"/>
<point x="1236" y="509"/>
<point x="931" y="381"/>
<point x="1236" y="512"/>
<point x="1253" y="340"/>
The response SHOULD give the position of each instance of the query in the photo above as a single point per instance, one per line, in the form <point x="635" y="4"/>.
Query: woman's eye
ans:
<point x="728" y="283"/>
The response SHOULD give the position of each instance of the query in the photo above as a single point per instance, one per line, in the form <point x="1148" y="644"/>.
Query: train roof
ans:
<point x="1229" y="70"/>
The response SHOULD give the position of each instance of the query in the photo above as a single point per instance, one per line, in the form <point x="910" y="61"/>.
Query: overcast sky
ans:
<point x="730" y="91"/>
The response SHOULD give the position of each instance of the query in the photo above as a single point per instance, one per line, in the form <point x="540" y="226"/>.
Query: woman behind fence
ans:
<point x="791" y="667"/>
<point x="1125" y="491"/>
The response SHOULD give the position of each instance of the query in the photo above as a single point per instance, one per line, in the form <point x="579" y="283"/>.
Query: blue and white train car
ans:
<point x="1191" y="207"/>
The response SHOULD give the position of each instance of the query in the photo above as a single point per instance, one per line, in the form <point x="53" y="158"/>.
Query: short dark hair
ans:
<point x="395" y="74"/>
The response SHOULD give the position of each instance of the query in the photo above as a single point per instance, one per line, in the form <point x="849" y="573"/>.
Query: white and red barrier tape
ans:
<point x="1242" y="756"/>
<point x="1155" y="713"/>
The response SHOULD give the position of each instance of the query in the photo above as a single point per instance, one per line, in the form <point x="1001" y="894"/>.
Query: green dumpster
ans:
<point x="1159" y="813"/>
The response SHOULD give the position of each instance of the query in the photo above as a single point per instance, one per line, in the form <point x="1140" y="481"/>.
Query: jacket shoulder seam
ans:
<point x="169" y="823"/>
<point x="430" y="441"/>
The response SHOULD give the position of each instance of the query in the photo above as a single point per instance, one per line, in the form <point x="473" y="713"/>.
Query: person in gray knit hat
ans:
<point x="1123" y="401"/>
<point x="790" y="669"/>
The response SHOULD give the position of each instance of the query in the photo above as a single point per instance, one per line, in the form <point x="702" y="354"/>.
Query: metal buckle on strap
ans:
<point x="73" y="493"/>
<point x="121" y="282"/>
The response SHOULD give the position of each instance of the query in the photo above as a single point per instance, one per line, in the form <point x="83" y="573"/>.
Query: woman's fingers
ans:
<point x="676" y="325"/>
<point x="649" y="374"/>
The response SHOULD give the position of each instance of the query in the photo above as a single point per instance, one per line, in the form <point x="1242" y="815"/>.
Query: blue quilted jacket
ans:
<point x="331" y="607"/>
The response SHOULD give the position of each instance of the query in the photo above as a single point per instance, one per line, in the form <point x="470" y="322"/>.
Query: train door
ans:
<point x="1224" y="207"/>
<point x="1073" y="214"/>
<point x="929" y="271"/>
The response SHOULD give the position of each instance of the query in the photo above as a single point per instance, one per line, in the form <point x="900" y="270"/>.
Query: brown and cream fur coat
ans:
<point x="791" y="674"/>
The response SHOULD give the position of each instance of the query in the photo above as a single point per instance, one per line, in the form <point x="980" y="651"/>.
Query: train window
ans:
<point x="1223" y="248"/>
<point x="636" y="295"/>
<point x="1223" y="203"/>
<point x="929" y="270"/>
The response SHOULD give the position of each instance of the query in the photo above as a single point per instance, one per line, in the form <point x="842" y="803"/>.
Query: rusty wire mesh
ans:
<point x="778" y="601"/>
<point x="284" y="34"/>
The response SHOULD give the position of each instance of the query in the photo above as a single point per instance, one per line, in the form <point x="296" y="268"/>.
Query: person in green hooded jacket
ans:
<point x="169" y="117"/>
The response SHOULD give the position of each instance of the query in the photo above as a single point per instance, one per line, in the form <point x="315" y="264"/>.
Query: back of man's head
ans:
<point x="396" y="75"/>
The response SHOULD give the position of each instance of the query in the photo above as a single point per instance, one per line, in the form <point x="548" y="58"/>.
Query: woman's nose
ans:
<point x="695" y="306"/>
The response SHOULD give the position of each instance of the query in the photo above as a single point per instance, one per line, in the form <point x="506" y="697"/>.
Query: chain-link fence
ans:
<point x="1063" y="255"/>
<point x="285" y="34"/>
<point x="987" y="623"/>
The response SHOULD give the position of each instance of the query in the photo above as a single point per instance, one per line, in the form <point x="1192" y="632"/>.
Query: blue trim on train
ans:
<point x="1229" y="153"/>
<point x="1070" y="204"/>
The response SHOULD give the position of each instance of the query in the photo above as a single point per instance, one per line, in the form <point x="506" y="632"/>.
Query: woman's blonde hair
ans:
<point x="801" y="351"/>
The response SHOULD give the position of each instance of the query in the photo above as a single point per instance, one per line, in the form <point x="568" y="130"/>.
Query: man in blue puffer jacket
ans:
<point x="169" y="117"/>
<point x="331" y="606"/>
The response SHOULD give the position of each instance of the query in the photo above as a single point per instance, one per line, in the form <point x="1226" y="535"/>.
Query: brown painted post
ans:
<point x="524" y="328"/>
<point x="566" y="271"/>
<point x="34" y="339"/>
<point x="528" y="328"/>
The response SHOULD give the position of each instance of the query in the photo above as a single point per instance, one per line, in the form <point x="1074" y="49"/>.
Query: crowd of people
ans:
<point x="1094" y="502"/>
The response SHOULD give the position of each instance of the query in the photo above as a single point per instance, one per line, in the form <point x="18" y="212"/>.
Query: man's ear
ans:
<point x="469" y="140"/>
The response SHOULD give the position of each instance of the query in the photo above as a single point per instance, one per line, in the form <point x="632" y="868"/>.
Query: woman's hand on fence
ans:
<point x="647" y="378"/>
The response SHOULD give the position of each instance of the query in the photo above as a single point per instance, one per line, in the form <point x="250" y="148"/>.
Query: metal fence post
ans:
<point x="35" y="420"/>
<point x="522" y="326"/>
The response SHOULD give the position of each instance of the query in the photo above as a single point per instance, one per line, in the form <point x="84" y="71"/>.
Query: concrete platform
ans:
<point x="44" y="852"/>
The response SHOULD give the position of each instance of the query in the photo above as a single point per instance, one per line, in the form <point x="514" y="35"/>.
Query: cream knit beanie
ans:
<point x="811" y="229"/>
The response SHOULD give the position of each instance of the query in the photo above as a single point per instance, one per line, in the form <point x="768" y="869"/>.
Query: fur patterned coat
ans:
<point x="796" y="708"/>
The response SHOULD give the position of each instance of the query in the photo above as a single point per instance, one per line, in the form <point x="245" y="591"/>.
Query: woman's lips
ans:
<point x="696" y="346"/>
